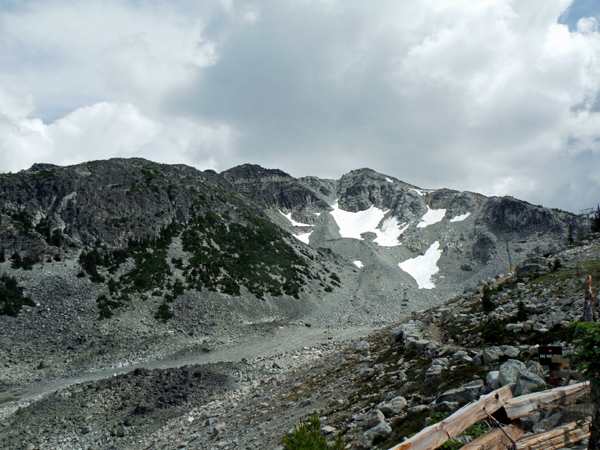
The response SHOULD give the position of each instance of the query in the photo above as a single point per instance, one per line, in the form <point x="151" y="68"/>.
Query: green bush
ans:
<point x="486" y="300"/>
<point x="522" y="312"/>
<point x="494" y="332"/>
<point x="307" y="436"/>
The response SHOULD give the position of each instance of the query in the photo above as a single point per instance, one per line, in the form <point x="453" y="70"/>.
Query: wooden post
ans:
<point x="495" y="439"/>
<point x="560" y="437"/>
<point x="435" y="435"/>
<point x="542" y="401"/>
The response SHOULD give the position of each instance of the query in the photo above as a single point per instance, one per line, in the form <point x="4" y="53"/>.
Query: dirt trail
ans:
<point x="281" y="340"/>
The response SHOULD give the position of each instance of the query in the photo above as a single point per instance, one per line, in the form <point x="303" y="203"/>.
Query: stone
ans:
<point x="445" y="407"/>
<point x="536" y="368"/>
<point x="491" y="354"/>
<point x="374" y="418"/>
<point x="529" y="421"/>
<point x="464" y="394"/>
<point x="525" y="381"/>
<point x="328" y="429"/>
<point x="382" y="430"/>
<point x="361" y="346"/>
<point x="417" y="409"/>
<point x="510" y="351"/>
<point x="421" y="345"/>
<point x="509" y="371"/>
<point x="462" y="357"/>
<point x="548" y="423"/>
<point x="492" y="379"/>
<point x="393" y="407"/>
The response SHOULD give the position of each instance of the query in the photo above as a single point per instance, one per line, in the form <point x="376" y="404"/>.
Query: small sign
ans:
<point x="547" y="352"/>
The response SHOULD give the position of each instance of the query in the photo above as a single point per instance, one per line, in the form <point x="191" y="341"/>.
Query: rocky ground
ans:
<point x="374" y="391"/>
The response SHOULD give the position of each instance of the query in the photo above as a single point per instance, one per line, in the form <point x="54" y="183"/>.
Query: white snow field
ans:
<point x="390" y="232"/>
<point x="423" y="267"/>
<point x="431" y="216"/>
<point x="303" y="237"/>
<point x="460" y="218"/>
<point x="353" y="224"/>
<point x="358" y="264"/>
<point x="389" y="180"/>
<point x="294" y="223"/>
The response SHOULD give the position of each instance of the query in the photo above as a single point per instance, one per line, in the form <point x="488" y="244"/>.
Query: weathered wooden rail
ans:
<point x="435" y="435"/>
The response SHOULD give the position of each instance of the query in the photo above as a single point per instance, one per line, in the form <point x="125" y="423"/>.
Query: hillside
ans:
<point x="403" y="376"/>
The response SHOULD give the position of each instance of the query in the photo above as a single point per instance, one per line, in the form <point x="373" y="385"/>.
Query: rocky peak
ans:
<point x="249" y="172"/>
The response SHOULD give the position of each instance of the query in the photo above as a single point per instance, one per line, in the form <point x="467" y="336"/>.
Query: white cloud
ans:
<point x="492" y="96"/>
<point x="99" y="131"/>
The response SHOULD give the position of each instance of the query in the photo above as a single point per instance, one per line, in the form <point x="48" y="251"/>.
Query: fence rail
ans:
<point x="435" y="435"/>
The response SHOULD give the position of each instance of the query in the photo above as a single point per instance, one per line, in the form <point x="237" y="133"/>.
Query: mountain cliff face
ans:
<point x="129" y="260"/>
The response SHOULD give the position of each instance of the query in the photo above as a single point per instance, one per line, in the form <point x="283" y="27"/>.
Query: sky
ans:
<point x="500" y="97"/>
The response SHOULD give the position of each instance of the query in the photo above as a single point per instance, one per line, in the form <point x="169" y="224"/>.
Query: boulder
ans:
<point x="382" y="430"/>
<point x="527" y="380"/>
<point x="373" y="419"/>
<point x="393" y="407"/>
<point x="509" y="371"/>
<point x="548" y="423"/>
<point x="529" y="421"/>
<point x="445" y="407"/>
<point x="491" y="354"/>
<point x="492" y="379"/>
<point x="462" y="357"/>
<point x="464" y="394"/>
<point x="361" y="346"/>
<point x="510" y="351"/>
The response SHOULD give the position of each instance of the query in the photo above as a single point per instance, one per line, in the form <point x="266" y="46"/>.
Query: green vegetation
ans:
<point x="307" y="436"/>
<point x="11" y="297"/>
<point x="227" y="255"/>
<point x="26" y="262"/>
<point x="486" y="301"/>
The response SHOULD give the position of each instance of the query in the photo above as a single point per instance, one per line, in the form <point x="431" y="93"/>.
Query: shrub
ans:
<point x="307" y="436"/>
<point x="11" y="297"/>
<point x="522" y="312"/>
<point x="494" y="333"/>
<point x="486" y="300"/>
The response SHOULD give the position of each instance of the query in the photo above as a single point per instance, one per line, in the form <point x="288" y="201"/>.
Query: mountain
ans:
<point x="128" y="260"/>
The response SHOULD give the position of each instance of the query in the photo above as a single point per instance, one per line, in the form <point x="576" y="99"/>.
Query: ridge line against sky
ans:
<point x="500" y="97"/>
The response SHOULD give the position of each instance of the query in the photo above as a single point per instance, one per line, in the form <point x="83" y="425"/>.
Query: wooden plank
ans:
<point x="435" y="435"/>
<point x="565" y="373"/>
<point x="542" y="401"/>
<point x="559" y="437"/>
<point x="495" y="439"/>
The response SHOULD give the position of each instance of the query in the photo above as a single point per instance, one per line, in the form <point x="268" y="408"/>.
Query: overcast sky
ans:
<point x="500" y="97"/>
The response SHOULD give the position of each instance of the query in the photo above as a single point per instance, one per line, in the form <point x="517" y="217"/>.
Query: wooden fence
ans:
<point x="435" y="435"/>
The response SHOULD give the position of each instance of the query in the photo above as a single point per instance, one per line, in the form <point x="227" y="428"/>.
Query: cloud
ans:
<point x="99" y="131"/>
<point x="493" y="96"/>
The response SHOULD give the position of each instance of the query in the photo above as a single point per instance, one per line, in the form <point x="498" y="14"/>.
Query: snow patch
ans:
<point x="423" y="192"/>
<point x="358" y="264"/>
<point x="389" y="180"/>
<point x="460" y="218"/>
<point x="294" y="223"/>
<point x="423" y="267"/>
<point x="352" y="225"/>
<point x="390" y="232"/>
<point x="431" y="216"/>
<point x="303" y="237"/>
